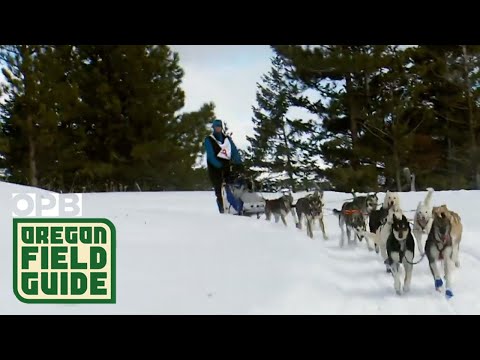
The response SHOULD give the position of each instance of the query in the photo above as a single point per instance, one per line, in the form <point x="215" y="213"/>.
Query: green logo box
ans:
<point x="64" y="260"/>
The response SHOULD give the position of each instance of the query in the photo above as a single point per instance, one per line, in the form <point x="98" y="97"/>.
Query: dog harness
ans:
<point x="351" y="212"/>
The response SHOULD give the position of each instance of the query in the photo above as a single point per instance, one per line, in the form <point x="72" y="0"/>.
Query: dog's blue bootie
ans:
<point x="449" y="294"/>
<point x="438" y="283"/>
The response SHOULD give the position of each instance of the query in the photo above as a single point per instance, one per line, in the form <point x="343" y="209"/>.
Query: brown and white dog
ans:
<point x="456" y="229"/>
<point x="280" y="208"/>
<point x="443" y="243"/>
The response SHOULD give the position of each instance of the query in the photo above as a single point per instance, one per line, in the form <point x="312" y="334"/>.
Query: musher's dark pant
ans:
<point x="217" y="176"/>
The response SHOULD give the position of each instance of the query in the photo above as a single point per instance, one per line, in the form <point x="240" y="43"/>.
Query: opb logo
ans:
<point x="46" y="204"/>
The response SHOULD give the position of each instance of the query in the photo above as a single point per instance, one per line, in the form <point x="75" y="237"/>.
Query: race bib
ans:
<point x="225" y="149"/>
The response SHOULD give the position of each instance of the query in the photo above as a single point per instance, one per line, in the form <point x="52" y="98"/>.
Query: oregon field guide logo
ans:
<point x="60" y="260"/>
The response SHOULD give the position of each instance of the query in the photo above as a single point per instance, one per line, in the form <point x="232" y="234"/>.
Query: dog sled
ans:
<point x="240" y="199"/>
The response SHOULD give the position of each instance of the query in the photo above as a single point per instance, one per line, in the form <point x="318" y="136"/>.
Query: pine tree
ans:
<point x="37" y="92"/>
<point x="136" y="131"/>
<point x="93" y="118"/>
<point x="19" y="108"/>
<point x="383" y="109"/>
<point x="277" y="141"/>
<point x="446" y="84"/>
<point x="192" y="129"/>
<point x="63" y="140"/>
<point x="340" y="76"/>
<point x="471" y="82"/>
<point x="390" y="120"/>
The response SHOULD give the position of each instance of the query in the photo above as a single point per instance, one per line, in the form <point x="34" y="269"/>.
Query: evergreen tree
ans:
<point x="98" y="118"/>
<point x="340" y="76"/>
<point x="30" y="113"/>
<point x="277" y="142"/>
<point x="137" y="133"/>
<point x="446" y="89"/>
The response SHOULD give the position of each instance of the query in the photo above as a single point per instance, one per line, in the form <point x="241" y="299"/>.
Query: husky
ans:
<point x="366" y="203"/>
<point x="391" y="200"/>
<point x="352" y="218"/>
<point x="443" y="243"/>
<point x="400" y="250"/>
<point x="423" y="220"/>
<point x="311" y="206"/>
<point x="377" y="219"/>
<point x="280" y="208"/>
<point x="383" y="233"/>
<point x="391" y="203"/>
<point x="455" y="232"/>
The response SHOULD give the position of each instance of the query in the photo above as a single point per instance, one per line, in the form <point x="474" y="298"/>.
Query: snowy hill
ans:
<point x="177" y="255"/>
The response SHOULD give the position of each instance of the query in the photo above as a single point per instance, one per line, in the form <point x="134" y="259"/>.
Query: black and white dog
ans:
<point x="401" y="250"/>
<point x="391" y="202"/>
<point x="377" y="218"/>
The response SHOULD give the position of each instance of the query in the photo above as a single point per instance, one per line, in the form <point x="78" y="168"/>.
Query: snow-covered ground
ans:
<point x="177" y="255"/>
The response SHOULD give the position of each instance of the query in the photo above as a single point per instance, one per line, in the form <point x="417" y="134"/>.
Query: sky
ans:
<point x="227" y="75"/>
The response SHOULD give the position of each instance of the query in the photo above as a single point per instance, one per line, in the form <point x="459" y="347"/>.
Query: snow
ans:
<point x="177" y="255"/>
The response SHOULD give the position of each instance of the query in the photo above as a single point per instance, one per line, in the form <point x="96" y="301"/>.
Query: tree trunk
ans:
<point x="289" y="160"/>
<point x="398" y="178"/>
<point x="409" y="178"/>
<point x="471" y="121"/>
<point x="396" y="164"/>
<point x="31" y="155"/>
<point x="353" y="120"/>
<point x="452" y="169"/>
<point x="26" y="51"/>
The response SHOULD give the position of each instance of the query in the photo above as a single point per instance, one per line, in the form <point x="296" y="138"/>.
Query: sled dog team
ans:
<point x="389" y="231"/>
